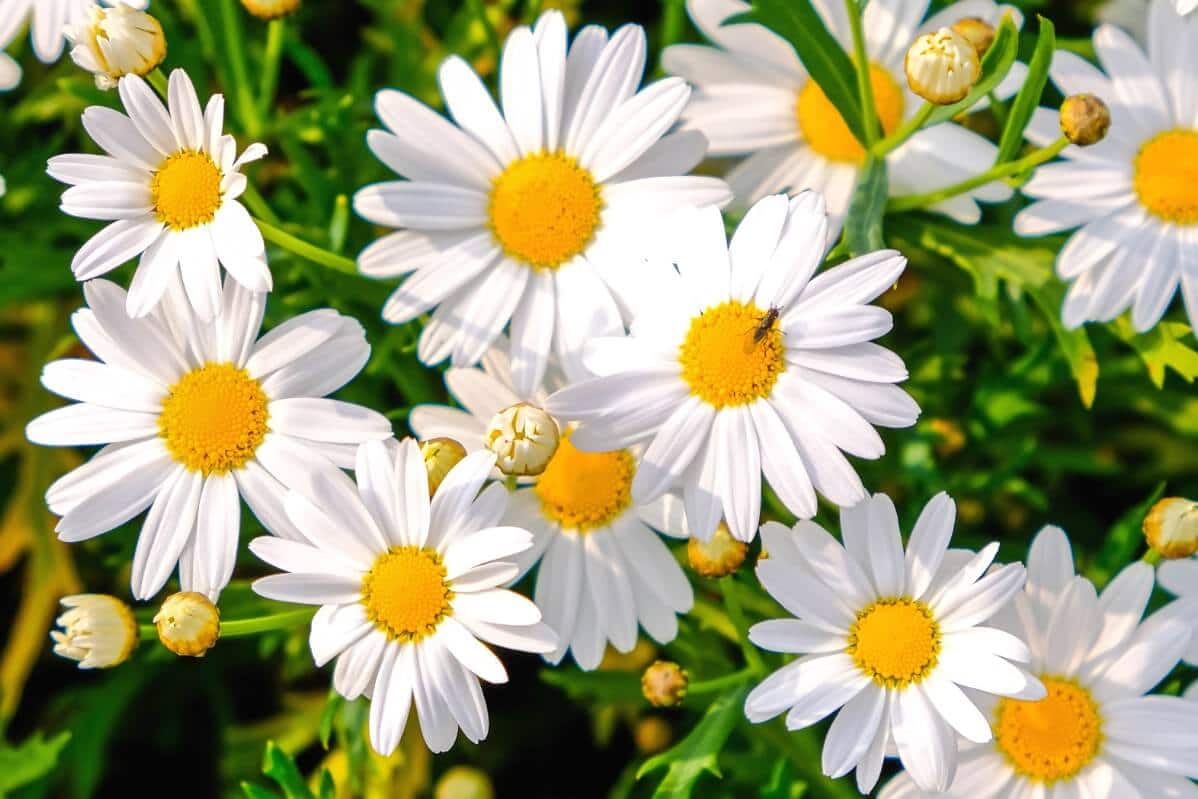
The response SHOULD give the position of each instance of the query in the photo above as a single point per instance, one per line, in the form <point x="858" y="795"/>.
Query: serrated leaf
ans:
<point x="1028" y="98"/>
<point x="863" y="225"/>
<point x="280" y="767"/>
<point x="32" y="759"/>
<point x="825" y="60"/>
<point x="1161" y="349"/>
<point x="995" y="66"/>
<point x="699" y="751"/>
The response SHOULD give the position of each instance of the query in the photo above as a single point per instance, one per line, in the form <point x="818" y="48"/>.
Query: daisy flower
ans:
<point x="888" y="638"/>
<point x="754" y="98"/>
<point x="1135" y="193"/>
<point x="603" y="570"/>
<point x="193" y="414"/>
<point x="1095" y="734"/>
<point x="746" y="366"/>
<point x="10" y="72"/>
<point x="48" y="22"/>
<point x="529" y="216"/>
<point x="1180" y="578"/>
<point x="169" y="184"/>
<point x="407" y="587"/>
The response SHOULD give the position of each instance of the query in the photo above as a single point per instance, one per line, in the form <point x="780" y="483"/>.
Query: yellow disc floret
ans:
<point x="824" y="128"/>
<point x="1052" y="739"/>
<point x="1166" y="176"/>
<point x="584" y="490"/>
<point x="544" y="209"/>
<point x="186" y="190"/>
<point x="727" y="358"/>
<point x="895" y="641"/>
<point x="214" y="418"/>
<point x="406" y="594"/>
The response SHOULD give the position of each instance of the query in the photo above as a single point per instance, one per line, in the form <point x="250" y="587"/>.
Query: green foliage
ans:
<point x="995" y="66"/>
<point x="1028" y="97"/>
<point x="281" y="769"/>
<point x="699" y="751"/>
<point x="29" y="761"/>
<point x="863" y="226"/>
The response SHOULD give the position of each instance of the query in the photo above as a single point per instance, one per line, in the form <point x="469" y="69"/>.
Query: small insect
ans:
<point x="767" y="321"/>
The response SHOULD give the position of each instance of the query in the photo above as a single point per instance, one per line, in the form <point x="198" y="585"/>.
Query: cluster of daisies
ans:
<point x="624" y="371"/>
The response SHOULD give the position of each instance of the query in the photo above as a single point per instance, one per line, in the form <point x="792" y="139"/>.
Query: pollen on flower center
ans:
<point x="1166" y="176"/>
<point x="895" y="641"/>
<point x="584" y="490"/>
<point x="214" y="418"/>
<point x="1052" y="739"/>
<point x="544" y="209"/>
<point x="186" y="190"/>
<point x="724" y="360"/>
<point x="406" y="594"/>
<point x="824" y="128"/>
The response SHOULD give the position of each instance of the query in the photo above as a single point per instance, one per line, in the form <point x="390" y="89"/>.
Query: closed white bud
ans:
<point x="114" y="42"/>
<point x="942" y="67"/>
<point x="523" y="438"/>
<point x="440" y="456"/>
<point x="1171" y="527"/>
<point x="188" y="624"/>
<point x="98" y="630"/>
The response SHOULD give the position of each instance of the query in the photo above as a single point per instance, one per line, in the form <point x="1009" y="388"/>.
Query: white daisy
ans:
<point x="1135" y="193"/>
<point x="754" y="98"/>
<point x="10" y="72"/>
<point x="602" y="568"/>
<point x="747" y="365"/>
<point x="1180" y="578"/>
<point x="1095" y="735"/>
<point x="529" y="216"/>
<point x="407" y="589"/>
<point x="170" y="183"/>
<point x="48" y="21"/>
<point x="191" y="415"/>
<point x="891" y="638"/>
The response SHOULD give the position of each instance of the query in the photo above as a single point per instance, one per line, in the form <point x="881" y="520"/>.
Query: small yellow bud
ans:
<point x="270" y="9"/>
<point x="524" y="438"/>
<point x="464" y="782"/>
<point x="98" y="630"/>
<point x="1171" y="527"/>
<point x="952" y="437"/>
<point x="188" y="624"/>
<point x="111" y="42"/>
<point x="1085" y="119"/>
<point x="717" y="557"/>
<point x="942" y="67"/>
<point x="664" y="683"/>
<point x="977" y="32"/>
<point x="440" y="456"/>
<point x="652" y="734"/>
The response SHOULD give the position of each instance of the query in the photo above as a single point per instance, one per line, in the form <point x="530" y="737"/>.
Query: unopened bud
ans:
<point x="977" y="32"/>
<point x="98" y="630"/>
<point x="523" y="438"/>
<point x="664" y="683"/>
<point x="464" y="782"/>
<point x="188" y="624"/>
<point x="111" y="42"/>
<point x="1171" y="527"/>
<point x="942" y="67"/>
<point x="270" y="9"/>
<point x="440" y="455"/>
<point x="1085" y="119"/>
<point x="652" y="734"/>
<point x="717" y="557"/>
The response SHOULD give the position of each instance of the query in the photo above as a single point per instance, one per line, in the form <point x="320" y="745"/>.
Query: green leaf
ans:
<point x="253" y="791"/>
<point x="825" y="60"/>
<point x="699" y="751"/>
<point x="280" y="767"/>
<point x="1124" y="538"/>
<point x="1161" y="349"/>
<point x="33" y="759"/>
<point x="995" y="66"/>
<point x="1028" y="98"/>
<point x="1075" y="344"/>
<point x="863" y="225"/>
<point x="596" y="686"/>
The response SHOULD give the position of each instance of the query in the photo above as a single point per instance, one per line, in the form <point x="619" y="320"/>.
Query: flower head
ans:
<point x="440" y="456"/>
<point x="188" y="624"/>
<point x="49" y="23"/>
<point x="117" y="41"/>
<point x="1171" y="527"/>
<point x="942" y="67"/>
<point x="1085" y="119"/>
<point x="524" y="439"/>
<point x="271" y="9"/>
<point x="664" y="683"/>
<point x="98" y="630"/>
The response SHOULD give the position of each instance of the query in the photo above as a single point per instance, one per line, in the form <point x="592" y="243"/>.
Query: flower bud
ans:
<point x="652" y="734"/>
<point x="440" y="455"/>
<point x="942" y="67"/>
<point x="664" y="683"/>
<point x="717" y="557"/>
<point x="188" y="624"/>
<point x="98" y="630"/>
<point x="977" y="32"/>
<point x="114" y="42"/>
<point x="1085" y="119"/>
<point x="464" y="782"/>
<point x="524" y="438"/>
<point x="270" y="9"/>
<point x="1171" y="527"/>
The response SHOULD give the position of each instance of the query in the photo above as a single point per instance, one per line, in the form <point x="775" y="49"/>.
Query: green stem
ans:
<point x="906" y="131"/>
<point x="864" y="85"/>
<point x="737" y="615"/>
<point x="276" y="33"/>
<point x="1152" y="556"/>
<point x="235" y="45"/>
<point x="803" y="751"/>
<point x="720" y="684"/>
<point x="998" y="108"/>
<point x="158" y="81"/>
<point x="257" y="205"/>
<point x="239" y="628"/>
<point x="303" y="249"/>
<point x="480" y="11"/>
<point x="997" y="172"/>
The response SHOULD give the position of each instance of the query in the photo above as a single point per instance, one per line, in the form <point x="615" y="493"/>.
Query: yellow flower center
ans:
<point x="186" y="190"/>
<point x="405" y="593"/>
<point x="728" y="358"/>
<point x="1052" y="739"/>
<point x="544" y="209"/>
<point x="214" y="418"/>
<point x="1166" y="178"/>
<point x="824" y="128"/>
<point x="895" y="641"/>
<point x="583" y="490"/>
